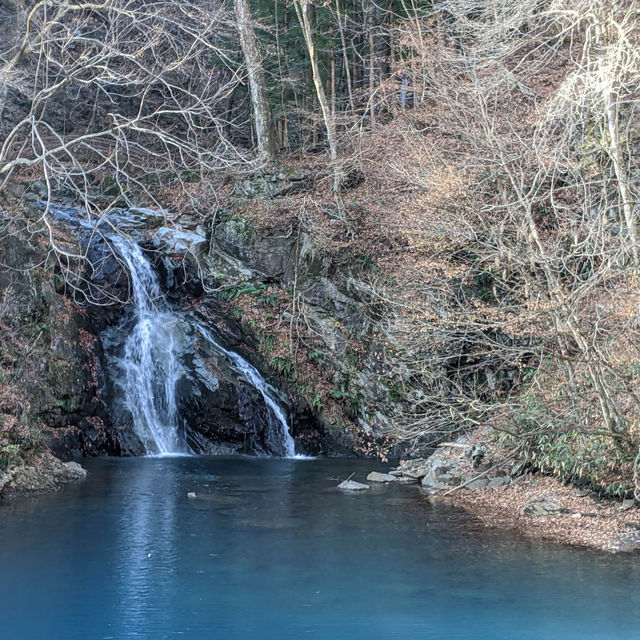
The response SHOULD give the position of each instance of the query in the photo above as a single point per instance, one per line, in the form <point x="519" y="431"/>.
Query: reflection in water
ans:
<point x="270" y="550"/>
<point x="147" y="548"/>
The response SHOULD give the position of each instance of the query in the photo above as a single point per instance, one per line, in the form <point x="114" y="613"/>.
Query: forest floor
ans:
<point x="589" y="521"/>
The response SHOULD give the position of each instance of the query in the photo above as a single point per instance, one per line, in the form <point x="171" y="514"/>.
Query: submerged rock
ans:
<point x="352" y="485"/>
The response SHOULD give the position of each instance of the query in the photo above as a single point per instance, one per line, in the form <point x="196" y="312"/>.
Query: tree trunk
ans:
<point x="345" y="57"/>
<point x="257" y="87"/>
<point x="372" y="67"/>
<point x="302" y="9"/>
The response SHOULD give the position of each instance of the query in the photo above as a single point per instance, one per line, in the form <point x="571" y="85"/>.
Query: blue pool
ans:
<point x="273" y="551"/>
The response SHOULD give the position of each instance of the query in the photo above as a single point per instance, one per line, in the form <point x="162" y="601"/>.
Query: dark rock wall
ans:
<point x="49" y="357"/>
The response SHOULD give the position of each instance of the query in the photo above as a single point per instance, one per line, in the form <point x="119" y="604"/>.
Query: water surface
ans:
<point x="274" y="552"/>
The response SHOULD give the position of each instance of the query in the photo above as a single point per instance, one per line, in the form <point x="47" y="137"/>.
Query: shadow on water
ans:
<point x="270" y="549"/>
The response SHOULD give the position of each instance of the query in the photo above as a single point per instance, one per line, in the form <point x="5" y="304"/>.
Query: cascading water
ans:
<point x="252" y="375"/>
<point x="152" y="363"/>
<point x="152" y="360"/>
<point x="152" y="357"/>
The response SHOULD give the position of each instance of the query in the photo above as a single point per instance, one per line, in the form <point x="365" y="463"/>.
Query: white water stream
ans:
<point x="152" y="357"/>
<point x="152" y="362"/>
<point x="252" y="375"/>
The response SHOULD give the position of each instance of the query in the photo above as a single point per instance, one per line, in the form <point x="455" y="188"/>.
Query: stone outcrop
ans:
<point x="278" y="184"/>
<point x="338" y="306"/>
<point x="458" y="464"/>
<point x="48" y="355"/>
<point x="41" y="474"/>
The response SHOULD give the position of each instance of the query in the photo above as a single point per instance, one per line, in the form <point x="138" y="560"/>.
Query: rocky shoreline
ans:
<point x="502" y="493"/>
<point x="42" y="474"/>
<point x="542" y="507"/>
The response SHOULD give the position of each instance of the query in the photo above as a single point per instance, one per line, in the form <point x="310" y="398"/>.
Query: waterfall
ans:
<point x="152" y="358"/>
<point x="253" y="377"/>
<point x="152" y="362"/>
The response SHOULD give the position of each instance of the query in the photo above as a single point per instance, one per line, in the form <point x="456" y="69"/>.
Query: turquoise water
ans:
<point x="274" y="551"/>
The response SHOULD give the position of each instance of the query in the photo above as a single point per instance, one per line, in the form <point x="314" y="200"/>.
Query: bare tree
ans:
<point x="120" y="91"/>
<point x="533" y="104"/>
<point x="259" y="98"/>
<point x="303" y="11"/>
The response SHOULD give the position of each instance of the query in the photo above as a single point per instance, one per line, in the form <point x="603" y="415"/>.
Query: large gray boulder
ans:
<point x="443" y="474"/>
<point x="180" y="242"/>
<point x="375" y="476"/>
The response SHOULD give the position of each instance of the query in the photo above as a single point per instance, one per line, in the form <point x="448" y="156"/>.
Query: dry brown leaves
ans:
<point x="598" y="525"/>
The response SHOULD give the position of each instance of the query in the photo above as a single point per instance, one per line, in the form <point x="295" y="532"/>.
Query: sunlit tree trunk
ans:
<point x="257" y="86"/>
<point x="302" y="10"/>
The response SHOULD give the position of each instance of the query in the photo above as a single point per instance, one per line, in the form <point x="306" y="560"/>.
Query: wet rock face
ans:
<point x="75" y="394"/>
<point x="221" y="411"/>
<point x="49" y="357"/>
<point x="337" y="306"/>
<point x="78" y="396"/>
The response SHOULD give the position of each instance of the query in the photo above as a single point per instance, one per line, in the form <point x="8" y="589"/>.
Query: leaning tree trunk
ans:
<point x="302" y="10"/>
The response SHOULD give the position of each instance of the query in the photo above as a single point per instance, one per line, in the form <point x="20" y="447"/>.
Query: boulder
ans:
<point x="498" y="481"/>
<point x="476" y="455"/>
<point x="136" y="219"/>
<point x="444" y="473"/>
<point x="625" y="543"/>
<point x="75" y="471"/>
<point x="375" y="476"/>
<point x="180" y="242"/>
<point x="351" y="485"/>
<point x="518" y="468"/>
<point x="627" y="503"/>
<point x="276" y="184"/>
<point x="478" y="483"/>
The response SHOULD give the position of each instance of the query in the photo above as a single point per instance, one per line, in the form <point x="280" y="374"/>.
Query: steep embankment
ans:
<point x="385" y="326"/>
<point x="47" y="370"/>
